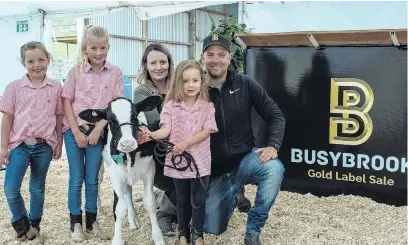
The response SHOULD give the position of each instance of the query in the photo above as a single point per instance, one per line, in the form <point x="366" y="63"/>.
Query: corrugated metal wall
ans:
<point x="126" y="41"/>
<point x="173" y="28"/>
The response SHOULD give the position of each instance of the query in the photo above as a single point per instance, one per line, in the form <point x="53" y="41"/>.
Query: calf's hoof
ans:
<point x="118" y="242"/>
<point x="134" y="223"/>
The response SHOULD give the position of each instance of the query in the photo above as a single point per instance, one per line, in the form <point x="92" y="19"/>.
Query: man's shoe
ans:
<point x="165" y="223"/>
<point x="243" y="203"/>
<point x="165" y="213"/>
<point x="251" y="239"/>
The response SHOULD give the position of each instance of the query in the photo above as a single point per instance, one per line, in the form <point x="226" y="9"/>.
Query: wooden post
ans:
<point x="226" y="14"/>
<point x="145" y="33"/>
<point x="192" y="34"/>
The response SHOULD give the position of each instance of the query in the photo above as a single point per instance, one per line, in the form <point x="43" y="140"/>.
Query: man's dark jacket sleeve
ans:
<point x="270" y="112"/>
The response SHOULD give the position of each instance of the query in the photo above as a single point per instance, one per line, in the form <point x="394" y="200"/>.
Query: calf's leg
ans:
<point x="150" y="206"/>
<point x="120" y="212"/>
<point x="132" y="216"/>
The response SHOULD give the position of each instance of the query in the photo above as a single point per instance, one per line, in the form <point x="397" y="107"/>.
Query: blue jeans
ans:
<point x="39" y="157"/>
<point x="84" y="165"/>
<point x="223" y="190"/>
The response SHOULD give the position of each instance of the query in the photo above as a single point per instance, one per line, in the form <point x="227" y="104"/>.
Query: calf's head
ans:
<point x="121" y="115"/>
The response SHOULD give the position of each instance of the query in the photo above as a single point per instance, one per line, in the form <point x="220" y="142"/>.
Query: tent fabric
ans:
<point x="65" y="9"/>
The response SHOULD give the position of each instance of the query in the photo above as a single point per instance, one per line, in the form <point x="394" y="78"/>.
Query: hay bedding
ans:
<point x="295" y="219"/>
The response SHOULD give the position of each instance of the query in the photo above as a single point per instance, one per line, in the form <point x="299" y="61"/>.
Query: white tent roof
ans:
<point x="76" y="9"/>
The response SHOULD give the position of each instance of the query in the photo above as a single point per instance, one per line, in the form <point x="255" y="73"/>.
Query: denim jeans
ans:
<point x="222" y="193"/>
<point x="84" y="165"/>
<point x="39" y="157"/>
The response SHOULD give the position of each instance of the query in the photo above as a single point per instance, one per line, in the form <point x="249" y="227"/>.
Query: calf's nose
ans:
<point x="127" y="143"/>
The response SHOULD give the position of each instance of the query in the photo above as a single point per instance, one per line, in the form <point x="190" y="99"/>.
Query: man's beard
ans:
<point x="215" y="77"/>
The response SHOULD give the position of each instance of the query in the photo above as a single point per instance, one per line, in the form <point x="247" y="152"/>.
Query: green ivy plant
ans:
<point x="229" y="27"/>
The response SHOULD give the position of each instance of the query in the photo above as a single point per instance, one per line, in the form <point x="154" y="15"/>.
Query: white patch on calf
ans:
<point x="122" y="110"/>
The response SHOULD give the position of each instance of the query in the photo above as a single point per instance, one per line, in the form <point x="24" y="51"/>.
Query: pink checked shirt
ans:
<point x="34" y="110"/>
<point x="92" y="90"/>
<point x="186" y="122"/>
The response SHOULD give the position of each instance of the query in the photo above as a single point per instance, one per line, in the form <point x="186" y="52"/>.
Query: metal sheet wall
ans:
<point x="123" y="22"/>
<point x="170" y="28"/>
<point x="173" y="28"/>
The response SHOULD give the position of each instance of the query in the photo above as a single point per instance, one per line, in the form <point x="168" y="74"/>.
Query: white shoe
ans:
<point x="78" y="234"/>
<point x="97" y="232"/>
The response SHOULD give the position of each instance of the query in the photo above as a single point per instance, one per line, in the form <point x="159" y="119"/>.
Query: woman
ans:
<point x="157" y="70"/>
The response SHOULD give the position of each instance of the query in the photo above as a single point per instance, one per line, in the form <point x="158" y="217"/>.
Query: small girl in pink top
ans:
<point x="92" y="83"/>
<point x="32" y="130"/>
<point x="189" y="118"/>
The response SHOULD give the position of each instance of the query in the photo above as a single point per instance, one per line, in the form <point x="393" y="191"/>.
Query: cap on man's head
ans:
<point x="216" y="39"/>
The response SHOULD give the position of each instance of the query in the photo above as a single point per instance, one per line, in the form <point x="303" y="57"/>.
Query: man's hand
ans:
<point x="267" y="153"/>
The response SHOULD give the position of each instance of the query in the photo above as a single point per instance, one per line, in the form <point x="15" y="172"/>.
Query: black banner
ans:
<point x="346" y="118"/>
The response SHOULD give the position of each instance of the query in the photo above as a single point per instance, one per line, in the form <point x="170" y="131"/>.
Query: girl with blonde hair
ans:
<point x="92" y="83"/>
<point x="188" y="118"/>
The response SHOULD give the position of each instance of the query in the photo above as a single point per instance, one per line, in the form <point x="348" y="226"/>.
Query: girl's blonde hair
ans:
<point x="30" y="46"/>
<point x="95" y="31"/>
<point x="176" y="86"/>
<point x="144" y="76"/>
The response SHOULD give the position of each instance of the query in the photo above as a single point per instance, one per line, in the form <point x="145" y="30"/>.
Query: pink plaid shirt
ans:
<point x="92" y="90"/>
<point x="186" y="122"/>
<point x="34" y="110"/>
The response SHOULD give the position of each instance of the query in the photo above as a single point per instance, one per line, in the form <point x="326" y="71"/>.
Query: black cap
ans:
<point x="216" y="39"/>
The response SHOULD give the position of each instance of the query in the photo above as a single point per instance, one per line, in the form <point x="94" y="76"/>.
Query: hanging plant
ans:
<point x="229" y="27"/>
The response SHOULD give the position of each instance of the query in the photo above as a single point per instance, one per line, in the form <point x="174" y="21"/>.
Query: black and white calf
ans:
<point x="127" y="161"/>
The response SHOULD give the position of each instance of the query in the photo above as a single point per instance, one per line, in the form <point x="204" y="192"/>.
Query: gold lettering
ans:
<point x="351" y="98"/>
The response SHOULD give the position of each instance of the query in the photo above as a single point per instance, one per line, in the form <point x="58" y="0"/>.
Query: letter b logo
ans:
<point x="344" y="129"/>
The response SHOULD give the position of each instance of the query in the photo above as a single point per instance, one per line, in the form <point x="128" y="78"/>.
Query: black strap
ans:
<point x="164" y="147"/>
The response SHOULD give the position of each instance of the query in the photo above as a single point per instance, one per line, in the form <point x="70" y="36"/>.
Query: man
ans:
<point x="235" y="160"/>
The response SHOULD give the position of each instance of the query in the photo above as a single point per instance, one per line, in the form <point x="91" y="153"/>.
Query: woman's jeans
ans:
<point x="84" y="165"/>
<point x="39" y="158"/>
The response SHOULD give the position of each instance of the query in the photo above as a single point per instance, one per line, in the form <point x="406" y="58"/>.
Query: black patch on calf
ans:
<point x="95" y="115"/>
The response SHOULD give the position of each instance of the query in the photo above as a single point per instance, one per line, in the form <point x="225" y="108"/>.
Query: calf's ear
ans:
<point x="92" y="115"/>
<point x="148" y="104"/>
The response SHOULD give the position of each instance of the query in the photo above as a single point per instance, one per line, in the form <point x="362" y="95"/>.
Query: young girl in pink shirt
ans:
<point x="92" y="83"/>
<point x="32" y="130"/>
<point x="189" y="118"/>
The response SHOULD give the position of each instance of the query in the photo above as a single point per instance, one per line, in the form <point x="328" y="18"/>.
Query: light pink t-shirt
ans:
<point x="34" y="110"/>
<point x="186" y="122"/>
<point x="92" y="90"/>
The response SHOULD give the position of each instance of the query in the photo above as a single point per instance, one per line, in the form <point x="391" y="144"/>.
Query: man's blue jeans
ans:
<point x="223" y="190"/>
<point x="84" y="165"/>
<point x="39" y="158"/>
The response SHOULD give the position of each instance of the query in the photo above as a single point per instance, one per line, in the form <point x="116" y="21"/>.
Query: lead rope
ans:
<point x="163" y="148"/>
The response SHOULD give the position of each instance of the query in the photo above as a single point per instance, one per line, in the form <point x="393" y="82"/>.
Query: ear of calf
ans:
<point x="121" y="115"/>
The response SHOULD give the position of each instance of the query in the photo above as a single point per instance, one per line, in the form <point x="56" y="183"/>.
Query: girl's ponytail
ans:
<point x="90" y="30"/>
